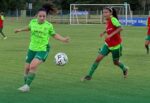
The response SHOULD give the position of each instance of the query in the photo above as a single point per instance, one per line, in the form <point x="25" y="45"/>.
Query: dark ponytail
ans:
<point x="113" y="11"/>
<point x="48" y="8"/>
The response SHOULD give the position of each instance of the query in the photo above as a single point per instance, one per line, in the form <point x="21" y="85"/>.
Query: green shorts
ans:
<point x="1" y="29"/>
<point x="116" y="53"/>
<point x="147" y="37"/>
<point x="41" y="55"/>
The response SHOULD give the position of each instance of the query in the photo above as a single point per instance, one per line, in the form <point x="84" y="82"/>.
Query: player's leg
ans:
<point x="25" y="87"/>
<point x="32" y="70"/>
<point x="1" y="31"/>
<point x="147" y="42"/>
<point x="31" y="75"/>
<point x="122" y="66"/>
<point x="30" y="56"/>
<point x="94" y="67"/>
<point x="26" y="71"/>
<point x="39" y="58"/>
<point x="103" y="52"/>
<point x="116" y="54"/>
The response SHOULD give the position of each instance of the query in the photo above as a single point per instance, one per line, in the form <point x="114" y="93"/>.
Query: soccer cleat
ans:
<point x="5" y="38"/>
<point x="24" y="88"/>
<point x="125" y="73"/>
<point x="86" y="78"/>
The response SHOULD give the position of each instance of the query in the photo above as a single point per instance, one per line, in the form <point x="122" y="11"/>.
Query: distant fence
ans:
<point x="64" y="17"/>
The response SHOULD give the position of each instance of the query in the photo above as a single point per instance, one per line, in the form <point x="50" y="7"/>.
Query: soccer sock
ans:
<point x="93" y="68"/>
<point x="122" y="66"/>
<point x="147" y="48"/>
<point x="25" y="78"/>
<point x="3" y="34"/>
<point x="30" y="78"/>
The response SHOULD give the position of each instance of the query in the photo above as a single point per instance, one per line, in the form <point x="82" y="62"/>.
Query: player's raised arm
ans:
<point x="102" y="34"/>
<point x="22" y="29"/>
<point x="61" y="38"/>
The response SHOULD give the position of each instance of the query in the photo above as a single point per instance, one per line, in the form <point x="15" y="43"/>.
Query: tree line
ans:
<point x="6" y="5"/>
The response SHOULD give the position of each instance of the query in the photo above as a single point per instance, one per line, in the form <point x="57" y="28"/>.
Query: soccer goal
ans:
<point x="92" y="13"/>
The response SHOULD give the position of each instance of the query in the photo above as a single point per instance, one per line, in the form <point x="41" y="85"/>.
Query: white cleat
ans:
<point x="24" y="88"/>
<point x="5" y="38"/>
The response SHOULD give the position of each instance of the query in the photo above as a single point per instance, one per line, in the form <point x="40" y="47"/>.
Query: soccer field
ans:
<point x="54" y="84"/>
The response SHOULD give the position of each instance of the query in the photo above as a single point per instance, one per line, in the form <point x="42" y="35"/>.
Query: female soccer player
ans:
<point x="147" y="40"/>
<point x="112" y="43"/>
<point x="1" y="25"/>
<point x="41" y="30"/>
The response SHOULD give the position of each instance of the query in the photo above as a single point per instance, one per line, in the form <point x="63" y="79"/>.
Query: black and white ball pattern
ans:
<point x="61" y="59"/>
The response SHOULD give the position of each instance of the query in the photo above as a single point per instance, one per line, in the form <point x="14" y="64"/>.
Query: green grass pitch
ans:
<point x="54" y="84"/>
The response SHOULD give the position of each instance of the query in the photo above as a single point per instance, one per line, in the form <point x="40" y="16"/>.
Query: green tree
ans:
<point x="12" y="4"/>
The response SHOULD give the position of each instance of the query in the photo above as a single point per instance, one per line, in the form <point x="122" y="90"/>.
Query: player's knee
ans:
<point x="27" y="67"/>
<point x="116" y="62"/>
<point x="146" y="45"/>
<point x="32" y="67"/>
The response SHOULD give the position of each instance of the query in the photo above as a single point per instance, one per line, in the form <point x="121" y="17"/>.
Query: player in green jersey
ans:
<point x="41" y="30"/>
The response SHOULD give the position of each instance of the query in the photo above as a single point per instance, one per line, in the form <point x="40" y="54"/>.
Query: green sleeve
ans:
<point x="3" y="18"/>
<point x="115" y="22"/>
<point x="52" y="31"/>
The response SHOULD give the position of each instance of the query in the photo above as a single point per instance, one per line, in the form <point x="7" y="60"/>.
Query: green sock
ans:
<point x="3" y="34"/>
<point x="147" y="48"/>
<point x="122" y="66"/>
<point x="25" y="78"/>
<point x="30" y="78"/>
<point x="93" y="68"/>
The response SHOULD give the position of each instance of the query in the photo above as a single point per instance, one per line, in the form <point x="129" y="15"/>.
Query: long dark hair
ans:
<point x="48" y="8"/>
<point x="113" y="11"/>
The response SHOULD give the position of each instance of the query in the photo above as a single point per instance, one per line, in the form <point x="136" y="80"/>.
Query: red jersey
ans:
<point x="112" y="25"/>
<point x="1" y="21"/>
<point x="148" y="25"/>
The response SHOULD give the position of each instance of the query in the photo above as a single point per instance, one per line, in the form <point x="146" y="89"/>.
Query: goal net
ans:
<point x="92" y="13"/>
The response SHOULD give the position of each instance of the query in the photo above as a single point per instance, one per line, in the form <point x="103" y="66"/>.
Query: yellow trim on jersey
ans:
<point x="2" y="17"/>
<point x="115" y="47"/>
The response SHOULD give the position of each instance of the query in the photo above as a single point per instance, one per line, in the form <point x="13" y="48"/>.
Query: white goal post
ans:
<point x="92" y="13"/>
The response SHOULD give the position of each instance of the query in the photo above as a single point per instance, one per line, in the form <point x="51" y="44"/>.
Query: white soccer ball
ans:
<point x="61" y="59"/>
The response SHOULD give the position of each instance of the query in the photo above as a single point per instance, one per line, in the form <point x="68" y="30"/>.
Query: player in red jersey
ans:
<point x="1" y="24"/>
<point x="147" y="40"/>
<point x="112" y="43"/>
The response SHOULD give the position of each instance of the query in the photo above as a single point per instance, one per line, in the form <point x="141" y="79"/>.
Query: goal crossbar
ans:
<point x="73" y="10"/>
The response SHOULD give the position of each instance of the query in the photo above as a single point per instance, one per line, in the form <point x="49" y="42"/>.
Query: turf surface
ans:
<point x="55" y="84"/>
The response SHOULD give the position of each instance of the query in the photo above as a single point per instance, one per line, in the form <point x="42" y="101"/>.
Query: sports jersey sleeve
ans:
<point x="52" y="31"/>
<point x="115" y="22"/>
<point x="2" y="17"/>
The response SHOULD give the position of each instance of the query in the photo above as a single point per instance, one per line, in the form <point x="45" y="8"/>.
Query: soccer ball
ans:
<point x="61" y="59"/>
